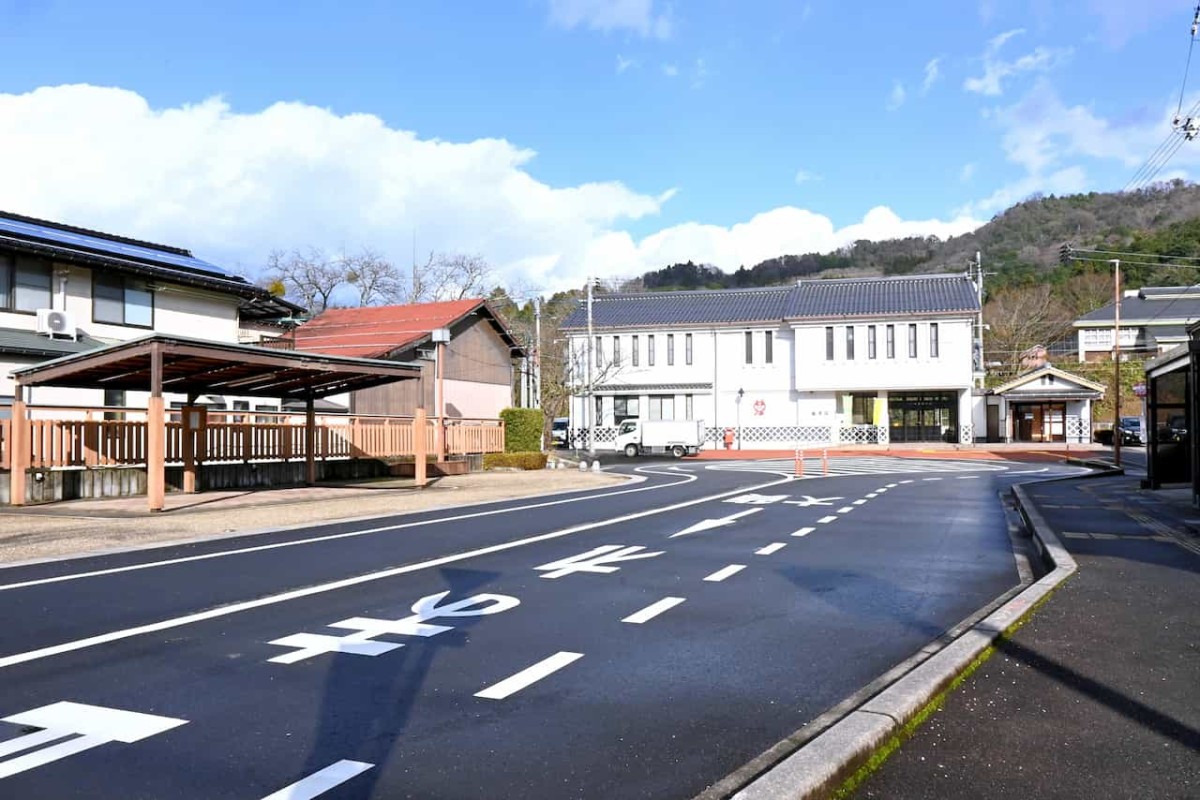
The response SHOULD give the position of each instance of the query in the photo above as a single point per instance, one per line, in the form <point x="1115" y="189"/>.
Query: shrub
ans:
<point x="522" y="430"/>
<point x="534" y="460"/>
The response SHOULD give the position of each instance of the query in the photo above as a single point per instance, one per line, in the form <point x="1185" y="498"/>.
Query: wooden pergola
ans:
<point x="193" y="367"/>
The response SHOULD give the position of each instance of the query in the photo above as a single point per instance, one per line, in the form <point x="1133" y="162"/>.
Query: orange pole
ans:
<point x="156" y="424"/>
<point x="419" y="446"/>
<point x="824" y="462"/>
<point x="19" y="444"/>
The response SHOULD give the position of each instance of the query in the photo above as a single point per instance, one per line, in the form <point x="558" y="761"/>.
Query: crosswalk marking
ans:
<point x="839" y="466"/>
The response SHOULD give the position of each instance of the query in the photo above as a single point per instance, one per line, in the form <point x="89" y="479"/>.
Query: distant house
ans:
<point x="861" y="360"/>
<point x="1153" y="320"/>
<point x="1043" y="405"/>
<point x="66" y="290"/>
<point x="477" y="373"/>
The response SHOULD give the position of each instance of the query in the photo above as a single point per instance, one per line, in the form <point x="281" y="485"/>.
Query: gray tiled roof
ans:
<point x="1154" y="303"/>
<point x="20" y="342"/>
<point x="814" y="299"/>
<point x="909" y="294"/>
<point x="706" y="307"/>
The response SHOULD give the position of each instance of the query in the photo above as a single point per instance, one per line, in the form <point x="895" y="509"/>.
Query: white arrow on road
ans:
<point x="599" y="559"/>
<point x="808" y="501"/>
<point x="709" y="524"/>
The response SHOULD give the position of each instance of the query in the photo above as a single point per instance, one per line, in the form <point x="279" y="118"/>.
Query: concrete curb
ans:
<point x="822" y="766"/>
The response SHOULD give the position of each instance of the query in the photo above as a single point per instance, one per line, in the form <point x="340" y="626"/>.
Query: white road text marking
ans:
<point x="525" y="677"/>
<point x="757" y="499"/>
<point x="807" y="501"/>
<point x="599" y="559"/>
<point x="709" y="524"/>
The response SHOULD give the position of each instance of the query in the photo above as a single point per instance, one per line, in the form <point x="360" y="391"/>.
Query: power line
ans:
<point x="1130" y="255"/>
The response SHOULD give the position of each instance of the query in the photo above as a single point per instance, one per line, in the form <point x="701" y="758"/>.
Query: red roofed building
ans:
<point x="477" y="372"/>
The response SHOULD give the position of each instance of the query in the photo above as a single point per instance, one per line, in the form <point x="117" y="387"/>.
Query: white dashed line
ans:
<point x="892" y="485"/>
<point x="826" y="520"/>
<point x="515" y="683"/>
<point x="321" y="782"/>
<point x="771" y="548"/>
<point x="871" y="496"/>
<point x="845" y="509"/>
<point x="858" y="502"/>
<point x="804" y="532"/>
<point x="906" y="481"/>
<point x="931" y="479"/>
<point x="880" y="491"/>
<point x="969" y="477"/>
<point x="653" y="610"/>
<point x="725" y="572"/>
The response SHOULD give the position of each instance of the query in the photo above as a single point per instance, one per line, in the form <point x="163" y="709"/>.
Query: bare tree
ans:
<point x="377" y="280"/>
<point x="1019" y="318"/>
<point x="310" y="277"/>
<point x="449" y="276"/>
<point x="1087" y="291"/>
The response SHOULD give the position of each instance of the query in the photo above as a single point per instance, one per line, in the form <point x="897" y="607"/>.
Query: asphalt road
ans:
<point x="642" y="641"/>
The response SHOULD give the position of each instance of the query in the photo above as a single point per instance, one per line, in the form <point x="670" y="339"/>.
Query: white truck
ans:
<point x="677" y="437"/>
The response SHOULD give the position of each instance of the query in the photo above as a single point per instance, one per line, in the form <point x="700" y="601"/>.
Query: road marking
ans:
<point x="362" y="642"/>
<point x="827" y="520"/>
<point x="968" y="478"/>
<point x="757" y="499"/>
<point x="929" y="480"/>
<point x="871" y="496"/>
<point x="880" y="491"/>
<point x="653" y="610"/>
<point x="845" y="509"/>
<point x="807" y="501"/>
<point x="774" y="547"/>
<point x="709" y="524"/>
<point x="89" y="726"/>
<point x="892" y="485"/>
<point x="294" y="594"/>
<point x="910" y="480"/>
<point x="350" y="534"/>
<point x="858" y="502"/>
<point x="321" y="782"/>
<point x="525" y="677"/>
<point x="599" y="559"/>
<point x="804" y="532"/>
<point x="725" y="572"/>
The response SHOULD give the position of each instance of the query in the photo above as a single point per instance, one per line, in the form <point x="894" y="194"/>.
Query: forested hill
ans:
<point x="1020" y="245"/>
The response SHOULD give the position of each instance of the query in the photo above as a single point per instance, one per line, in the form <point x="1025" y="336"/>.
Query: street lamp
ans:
<point x="741" y="393"/>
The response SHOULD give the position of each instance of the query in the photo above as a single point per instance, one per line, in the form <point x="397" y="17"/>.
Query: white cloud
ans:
<point x="804" y="176"/>
<point x="996" y="71"/>
<point x="670" y="70"/>
<point x="233" y="186"/>
<point x="699" y="73"/>
<point x="966" y="173"/>
<point x="897" y="96"/>
<point x="624" y="63"/>
<point x="638" y="16"/>
<point x="932" y="73"/>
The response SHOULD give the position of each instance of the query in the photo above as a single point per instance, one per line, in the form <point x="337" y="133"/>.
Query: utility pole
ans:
<point x="979" y="368"/>
<point x="589" y="402"/>
<point x="537" y="352"/>
<point x="1116" y="262"/>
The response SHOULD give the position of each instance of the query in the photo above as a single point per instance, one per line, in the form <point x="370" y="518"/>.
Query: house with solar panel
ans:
<point x="865" y="360"/>
<point x="1154" y="319"/>
<point x="65" y="290"/>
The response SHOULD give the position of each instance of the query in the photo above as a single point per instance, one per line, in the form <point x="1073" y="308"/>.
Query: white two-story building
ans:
<point x="824" y="361"/>
<point x="66" y="290"/>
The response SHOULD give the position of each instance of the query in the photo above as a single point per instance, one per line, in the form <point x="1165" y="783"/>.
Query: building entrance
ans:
<point x="924" y="417"/>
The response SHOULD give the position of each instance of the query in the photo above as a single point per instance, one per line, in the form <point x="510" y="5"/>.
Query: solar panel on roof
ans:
<point x="96" y="243"/>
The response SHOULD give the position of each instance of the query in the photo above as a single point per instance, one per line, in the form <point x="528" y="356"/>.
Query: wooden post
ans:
<point x="419" y="446"/>
<point x="310" y="442"/>
<point x="19" y="444"/>
<point x="189" y="445"/>
<point x="156" y="470"/>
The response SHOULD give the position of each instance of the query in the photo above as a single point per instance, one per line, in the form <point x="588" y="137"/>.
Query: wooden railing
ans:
<point x="87" y="440"/>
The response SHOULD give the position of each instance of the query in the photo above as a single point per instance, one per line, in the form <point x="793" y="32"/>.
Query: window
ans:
<point x="662" y="407"/>
<point x="114" y="398"/>
<point x="266" y="420"/>
<point x="121" y="301"/>
<point x="633" y="349"/>
<point x="933" y="340"/>
<point x="650" y="350"/>
<point x="599" y="410"/>
<point x="862" y="409"/>
<point x="749" y="347"/>
<point x="849" y="342"/>
<point x="599" y="356"/>
<point x="769" y="345"/>
<point x="891" y="341"/>
<point x="871" y="341"/>
<point x="616" y="351"/>
<point x="625" y="407"/>
<point x="687" y="348"/>
<point x="912" y="341"/>
<point x="670" y="349"/>
<point x="829" y="343"/>
<point x="24" y="284"/>
<point x="687" y="406"/>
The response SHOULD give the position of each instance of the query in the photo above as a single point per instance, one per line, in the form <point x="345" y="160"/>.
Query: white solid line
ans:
<point x="28" y="740"/>
<point x="49" y="754"/>
<point x="331" y="537"/>
<point x="845" y="509"/>
<point x="804" y="532"/>
<point x="294" y="594"/>
<point x="827" y="520"/>
<point x="858" y="502"/>
<point x="931" y="479"/>
<point x="774" y="547"/>
<point x="653" y="610"/>
<point x="321" y="782"/>
<point x="533" y="674"/>
<point x="968" y="477"/>
<point x="725" y="572"/>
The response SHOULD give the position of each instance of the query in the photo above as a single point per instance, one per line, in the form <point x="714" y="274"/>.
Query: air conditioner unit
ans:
<point x="56" y="323"/>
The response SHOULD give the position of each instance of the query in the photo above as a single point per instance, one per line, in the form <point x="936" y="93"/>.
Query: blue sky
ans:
<point x="565" y="137"/>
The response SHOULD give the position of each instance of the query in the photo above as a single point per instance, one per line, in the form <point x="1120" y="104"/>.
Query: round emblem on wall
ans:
<point x="760" y="406"/>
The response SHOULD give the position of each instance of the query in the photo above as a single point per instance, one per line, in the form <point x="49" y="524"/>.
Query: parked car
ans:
<point x="1175" y="430"/>
<point x="1131" y="432"/>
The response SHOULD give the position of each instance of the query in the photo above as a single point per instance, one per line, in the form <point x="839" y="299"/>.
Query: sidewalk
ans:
<point x="1022" y="451"/>
<point x="1098" y="694"/>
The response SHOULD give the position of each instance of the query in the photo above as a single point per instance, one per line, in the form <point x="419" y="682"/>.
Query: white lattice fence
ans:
<point x="862" y="434"/>
<point x="1077" y="429"/>
<point x="966" y="434"/>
